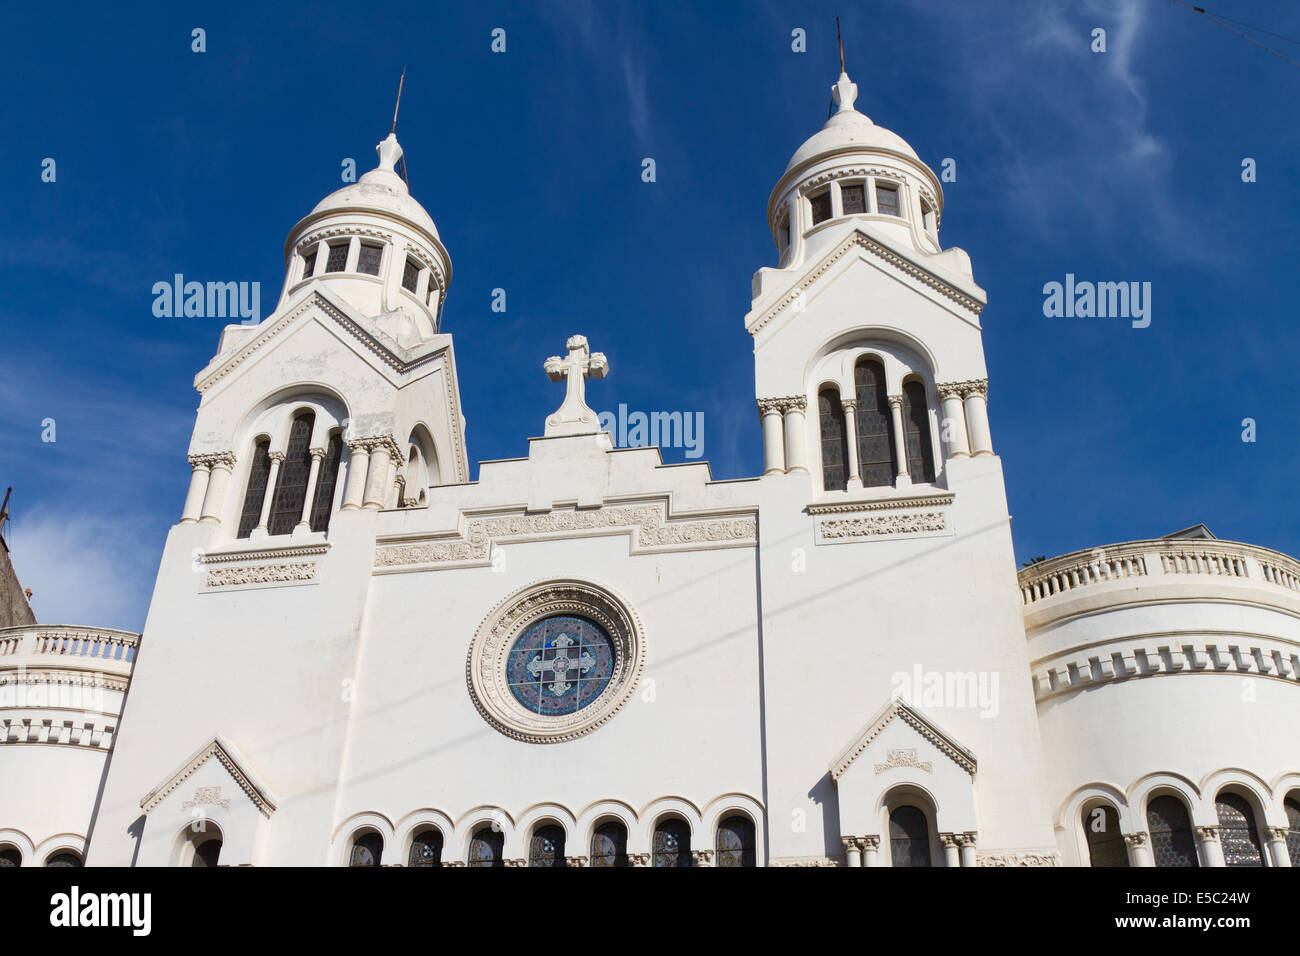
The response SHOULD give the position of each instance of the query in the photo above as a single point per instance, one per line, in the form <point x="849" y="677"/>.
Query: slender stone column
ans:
<point x="277" y="457"/>
<point x="1211" y="851"/>
<point x="317" y="456"/>
<point x="852" y="850"/>
<point x="850" y="406"/>
<point x="871" y="851"/>
<point x="214" y="497"/>
<point x="202" y="470"/>
<point x="796" y="443"/>
<point x="377" y="480"/>
<point x="903" y="480"/>
<point x="1139" y="852"/>
<point x="976" y="397"/>
<point x="951" y="857"/>
<point x="773" y="436"/>
<point x="966" y="841"/>
<point x="953" y="426"/>
<point x="358" y="466"/>
<point x="1277" y="851"/>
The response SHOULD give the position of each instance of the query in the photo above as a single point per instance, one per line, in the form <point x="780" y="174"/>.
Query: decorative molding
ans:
<point x="903" y="758"/>
<point x="861" y="240"/>
<point x="900" y="709"/>
<point x="485" y="664"/>
<point x="1017" y="859"/>
<point x="206" y="797"/>
<point x="97" y="734"/>
<point x="314" y="237"/>
<point x="651" y="528"/>
<point x="264" y="554"/>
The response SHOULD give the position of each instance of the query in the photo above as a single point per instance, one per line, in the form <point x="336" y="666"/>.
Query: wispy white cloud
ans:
<point x="1074" y="128"/>
<point x="86" y="568"/>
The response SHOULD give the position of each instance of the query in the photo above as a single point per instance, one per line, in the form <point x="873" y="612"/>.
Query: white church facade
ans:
<point x="355" y="655"/>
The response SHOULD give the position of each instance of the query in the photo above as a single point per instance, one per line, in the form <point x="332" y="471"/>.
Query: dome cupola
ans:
<point x="372" y="244"/>
<point x="851" y="172"/>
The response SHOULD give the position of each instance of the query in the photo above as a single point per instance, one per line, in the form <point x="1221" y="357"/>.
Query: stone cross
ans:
<point x="561" y="664"/>
<point x="575" y="417"/>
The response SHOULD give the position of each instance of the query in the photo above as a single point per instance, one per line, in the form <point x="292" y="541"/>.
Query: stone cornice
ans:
<point x="861" y="240"/>
<point x="264" y="554"/>
<point x="883" y="504"/>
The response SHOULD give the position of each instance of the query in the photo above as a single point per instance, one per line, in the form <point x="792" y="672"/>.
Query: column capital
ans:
<point x="949" y="840"/>
<point x="638" y="859"/>
<point x="275" y="455"/>
<point x="770" y="406"/>
<point x="702" y="857"/>
<point x="849" y="404"/>
<point x="375" y="442"/>
<point x="1207" y="833"/>
<point x="317" y="453"/>
<point x="220" y="459"/>
<point x="870" y="842"/>
<point x="516" y="862"/>
<point x="575" y="861"/>
<point x="895" y="401"/>
<point x="1138" y="838"/>
<point x="852" y="843"/>
<point x="974" y="386"/>
<point x="1276" y="834"/>
<point x="966" y="839"/>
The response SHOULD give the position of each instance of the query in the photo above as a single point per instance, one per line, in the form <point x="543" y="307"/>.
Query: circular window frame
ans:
<point x="485" y="666"/>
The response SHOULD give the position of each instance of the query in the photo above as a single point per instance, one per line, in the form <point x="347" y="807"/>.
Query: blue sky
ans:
<point x="1117" y="166"/>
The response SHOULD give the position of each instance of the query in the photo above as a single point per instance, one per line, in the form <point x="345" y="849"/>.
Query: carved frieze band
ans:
<point x="261" y="566"/>
<point x="650" y="527"/>
<point x="1018" y="859"/>
<point x="883" y="518"/>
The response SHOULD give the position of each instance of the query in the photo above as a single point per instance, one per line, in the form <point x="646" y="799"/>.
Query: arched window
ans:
<point x="1292" y="806"/>
<point x="10" y="856"/>
<point x="916" y="433"/>
<point x="672" y="843"/>
<point x="1237" y="833"/>
<point x="207" y="853"/>
<point x="486" y="846"/>
<point x="1172" y="843"/>
<point x="547" y="846"/>
<point x="291" y="487"/>
<point x="326" y="480"/>
<point x="1105" y="843"/>
<point x="909" y="837"/>
<point x="66" y="858"/>
<point x="367" y="849"/>
<point x="426" y="848"/>
<point x="835" y="442"/>
<point x="609" y="845"/>
<point x="877" y="462"/>
<point x="735" y="842"/>
<point x="253" y="497"/>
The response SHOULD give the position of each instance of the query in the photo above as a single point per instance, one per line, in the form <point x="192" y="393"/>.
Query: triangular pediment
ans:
<point x="898" y="710"/>
<point x="966" y="299"/>
<point x="376" y="344"/>
<point x="229" y="757"/>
